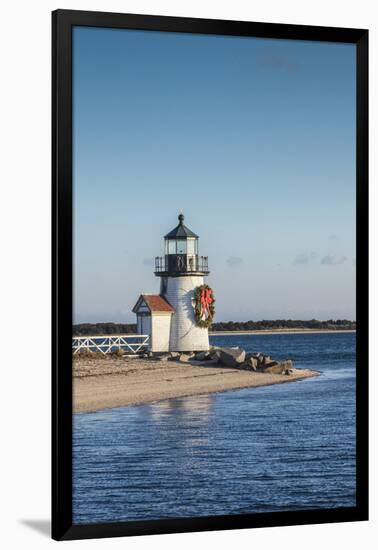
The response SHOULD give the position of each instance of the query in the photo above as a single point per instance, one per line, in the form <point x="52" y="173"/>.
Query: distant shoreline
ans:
<point x="238" y="332"/>
<point x="279" y="331"/>
<point x="277" y="326"/>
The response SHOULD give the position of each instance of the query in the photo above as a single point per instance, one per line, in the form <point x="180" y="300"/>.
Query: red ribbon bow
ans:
<point x="205" y="300"/>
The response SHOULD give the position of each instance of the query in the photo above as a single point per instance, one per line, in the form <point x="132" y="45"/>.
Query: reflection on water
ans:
<point x="282" y="447"/>
<point x="196" y="406"/>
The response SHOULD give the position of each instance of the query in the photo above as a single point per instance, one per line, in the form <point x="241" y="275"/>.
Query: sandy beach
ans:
<point x="100" y="383"/>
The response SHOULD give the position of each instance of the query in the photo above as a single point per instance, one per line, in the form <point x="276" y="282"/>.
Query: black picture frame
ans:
<point x="62" y="23"/>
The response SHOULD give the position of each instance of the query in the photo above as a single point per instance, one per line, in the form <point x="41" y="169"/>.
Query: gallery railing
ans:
<point x="181" y="263"/>
<point x="132" y="343"/>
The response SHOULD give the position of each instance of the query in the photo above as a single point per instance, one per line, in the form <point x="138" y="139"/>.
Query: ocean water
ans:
<point x="276" y="448"/>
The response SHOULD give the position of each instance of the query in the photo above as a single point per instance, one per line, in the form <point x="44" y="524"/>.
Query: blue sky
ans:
<point x="253" y="139"/>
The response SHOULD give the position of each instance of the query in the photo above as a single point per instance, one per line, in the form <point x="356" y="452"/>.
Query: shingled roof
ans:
<point x="155" y="303"/>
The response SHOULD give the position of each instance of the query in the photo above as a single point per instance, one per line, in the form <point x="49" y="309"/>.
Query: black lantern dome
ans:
<point x="181" y="231"/>
<point x="181" y="253"/>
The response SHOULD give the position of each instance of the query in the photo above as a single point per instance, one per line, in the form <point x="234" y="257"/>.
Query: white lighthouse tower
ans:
<point x="177" y="318"/>
<point x="182" y="271"/>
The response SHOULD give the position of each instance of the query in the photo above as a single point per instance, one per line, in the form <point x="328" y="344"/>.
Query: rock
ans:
<point x="254" y="355"/>
<point x="174" y="355"/>
<point x="289" y="372"/>
<point x="266" y="359"/>
<point x="210" y="361"/>
<point x="279" y="368"/>
<point x="232" y="357"/>
<point x="251" y="362"/>
<point x="185" y="358"/>
<point x="270" y="363"/>
<point x="201" y="356"/>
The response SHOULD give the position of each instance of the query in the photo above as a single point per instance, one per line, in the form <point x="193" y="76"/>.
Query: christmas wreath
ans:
<point x="204" y="306"/>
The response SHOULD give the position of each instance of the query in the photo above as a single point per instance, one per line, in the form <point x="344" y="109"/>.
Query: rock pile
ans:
<point x="238" y="358"/>
<point x="229" y="357"/>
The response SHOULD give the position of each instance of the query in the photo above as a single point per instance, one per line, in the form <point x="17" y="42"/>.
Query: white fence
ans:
<point x="133" y="343"/>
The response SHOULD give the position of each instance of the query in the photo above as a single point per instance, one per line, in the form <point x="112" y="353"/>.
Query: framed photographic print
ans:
<point x="210" y="274"/>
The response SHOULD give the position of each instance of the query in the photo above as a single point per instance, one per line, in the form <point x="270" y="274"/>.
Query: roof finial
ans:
<point x="181" y="218"/>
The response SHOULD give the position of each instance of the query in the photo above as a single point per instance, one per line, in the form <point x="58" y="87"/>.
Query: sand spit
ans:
<point x="101" y="383"/>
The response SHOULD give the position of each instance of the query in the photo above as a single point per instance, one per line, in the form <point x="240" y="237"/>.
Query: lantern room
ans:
<point x="181" y="253"/>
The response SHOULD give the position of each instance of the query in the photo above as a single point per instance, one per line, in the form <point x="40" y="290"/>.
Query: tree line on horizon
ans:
<point x="92" y="329"/>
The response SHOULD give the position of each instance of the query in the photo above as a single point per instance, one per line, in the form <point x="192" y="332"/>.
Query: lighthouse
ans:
<point x="177" y="318"/>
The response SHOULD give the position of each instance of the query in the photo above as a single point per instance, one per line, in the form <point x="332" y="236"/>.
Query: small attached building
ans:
<point x="154" y="315"/>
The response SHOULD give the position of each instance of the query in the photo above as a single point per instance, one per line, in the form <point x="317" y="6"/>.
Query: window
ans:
<point x="164" y="285"/>
<point x="181" y="246"/>
<point x="171" y="247"/>
<point x="192" y="247"/>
